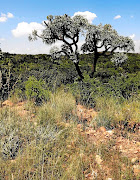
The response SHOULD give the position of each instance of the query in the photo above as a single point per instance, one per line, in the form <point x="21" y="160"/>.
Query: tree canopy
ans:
<point x="106" y="40"/>
<point x="67" y="30"/>
<point x="101" y="40"/>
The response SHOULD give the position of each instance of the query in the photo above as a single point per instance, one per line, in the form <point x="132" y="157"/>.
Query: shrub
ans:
<point x="10" y="146"/>
<point x="58" y="108"/>
<point x="108" y="108"/>
<point x="36" y="90"/>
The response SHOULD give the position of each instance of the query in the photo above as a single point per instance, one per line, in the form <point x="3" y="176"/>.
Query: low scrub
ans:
<point x="50" y="145"/>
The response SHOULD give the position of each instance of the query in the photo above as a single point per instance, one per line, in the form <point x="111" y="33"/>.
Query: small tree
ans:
<point x="64" y="29"/>
<point x="105" y="39"/>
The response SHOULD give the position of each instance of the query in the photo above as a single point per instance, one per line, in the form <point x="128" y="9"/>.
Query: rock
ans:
<point x="92" y="175"/>
<point x="135" y="160"/>
<point x="120" y="147"/>
<point x="98" y="159"/>
<point x="79" y="126"/>
<point x="67" y="125"/>
<point x="110" y="132"/>
<point x="102" y="129"/>
<point x="135" y="152"/>
<point x="138" y="143"/>
<point x="32" y="115"/>
<point x="35" y="123"/>
<point x="7" y="103"/>
<point x="136" y="169"/>
<point x="23" y="113"/>
<point x="20" y="103"/>
<point x="85" y="114"/>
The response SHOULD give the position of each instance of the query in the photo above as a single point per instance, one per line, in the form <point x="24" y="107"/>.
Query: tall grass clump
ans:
<point x="131" y="110"/>
<point x="50" y="149"/>
<point x="58" y="108"/>
<point x="107" y="108"/>
<point x="112" y="111"/>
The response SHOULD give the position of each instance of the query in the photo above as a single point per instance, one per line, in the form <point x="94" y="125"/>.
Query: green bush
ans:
<point x="36" y="90"/>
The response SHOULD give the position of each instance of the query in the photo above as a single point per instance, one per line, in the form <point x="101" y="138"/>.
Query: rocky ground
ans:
<point x="127" y="144"/>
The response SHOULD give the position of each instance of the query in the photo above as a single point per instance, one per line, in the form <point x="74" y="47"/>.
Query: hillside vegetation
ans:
<point x="55" y="126"/>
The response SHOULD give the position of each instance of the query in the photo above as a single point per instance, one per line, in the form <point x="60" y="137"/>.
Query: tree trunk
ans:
<point x="76" y="63"/>
<point x="78" y="70"/>
<point x="96" y="56"/>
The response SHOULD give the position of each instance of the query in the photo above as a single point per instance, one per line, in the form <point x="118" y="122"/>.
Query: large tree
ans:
<point x="106" y="40"/>
<point x="67" y="30"/>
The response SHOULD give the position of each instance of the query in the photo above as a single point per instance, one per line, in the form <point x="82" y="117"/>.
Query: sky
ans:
<point x="19" y="17"/>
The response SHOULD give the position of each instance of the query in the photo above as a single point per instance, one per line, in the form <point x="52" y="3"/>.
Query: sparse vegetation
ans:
<point x="51" y="146"/>
<point x="49" y="138"/>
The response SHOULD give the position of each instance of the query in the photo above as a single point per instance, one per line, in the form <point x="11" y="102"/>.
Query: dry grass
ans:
<point x="112" y="111"/>
<point x="53" y="148"/>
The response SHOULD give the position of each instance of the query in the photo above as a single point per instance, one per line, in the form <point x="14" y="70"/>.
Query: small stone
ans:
<point x="20" y="103"/>
<point x="32" y="115"/>
<point x="138" y="143"/>
<point x="79" y="126"/>
<point x="98" y="159"/>
<point x="135" y="152"/>
<point x="7" y="103"/>
<point x="120" y="147"/>
<point x="110" y="132"/>
<point x="102" y="129"/>
<point x="35" y="123"/>
<point x="136" y="169"/>
<point x="135" y="160"/>
<point x="67" y="125"/>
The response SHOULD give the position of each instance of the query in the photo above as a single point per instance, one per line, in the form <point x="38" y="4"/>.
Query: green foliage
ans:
<point x="108" y="80"/>
<point x="36" y="90"/>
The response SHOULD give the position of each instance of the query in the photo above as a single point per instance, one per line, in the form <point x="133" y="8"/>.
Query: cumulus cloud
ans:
<point x="117" y="17"/>
<point x="4" y="17"/>
<point x="10" y="15"/>
<point x="137" y="46"/>
<point x="88" y="15"/>
<point x="132" y="36"/>
<point x="25" y="28"/>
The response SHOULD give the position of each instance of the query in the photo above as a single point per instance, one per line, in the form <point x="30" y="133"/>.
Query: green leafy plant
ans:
<point x="36" y="90"/>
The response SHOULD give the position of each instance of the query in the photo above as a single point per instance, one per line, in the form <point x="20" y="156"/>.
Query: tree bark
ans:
<point x="78" y="70"/>
<point x="96" y="56"/>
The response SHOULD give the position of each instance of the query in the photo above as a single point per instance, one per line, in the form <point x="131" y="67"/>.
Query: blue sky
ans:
<point x="18" y="17"/>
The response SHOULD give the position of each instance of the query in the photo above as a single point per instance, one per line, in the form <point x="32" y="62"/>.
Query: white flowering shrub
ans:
<point x="119" y="58"/>
<point x="106" y="40"/>
<point x="64" y="29"/>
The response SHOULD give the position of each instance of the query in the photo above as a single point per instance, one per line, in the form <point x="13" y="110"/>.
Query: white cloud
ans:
<point x="25" y="28"/>
<point x="2" y="39"/>
<point x="88" y="15"/>
<point x="132" y="36"/>
<point x="117" y="17"/>
<point x="137" y="46"/>
<point x="10" y="15"/>
<point x="4" y="17"/>
<point x="131" y="16"/>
